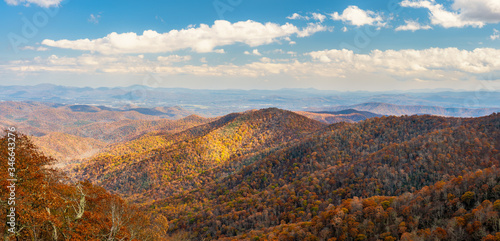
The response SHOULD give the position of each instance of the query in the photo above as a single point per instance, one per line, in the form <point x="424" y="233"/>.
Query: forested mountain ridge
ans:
<point x="186" y="158"/>
<point x="383" y="156"/>
<point x="272" y="174"/>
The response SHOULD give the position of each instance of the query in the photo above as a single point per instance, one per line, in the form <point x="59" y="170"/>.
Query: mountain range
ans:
<point x="213" y="103"/>
<point x="274" y="174"/>
<point x="267" y="174"/>
<point x="392" y="109"/>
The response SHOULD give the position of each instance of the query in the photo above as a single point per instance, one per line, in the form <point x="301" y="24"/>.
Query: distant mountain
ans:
<point x="83" y="142"/>
<point x="124" y="130"/>
<point x="41" y="118"/>
<point x="174" y="112"/>
<point x="349" y="115"/>
<point x="221" y="102"/>
<point x="70" y="133"/>
<point x="392" y="109"/>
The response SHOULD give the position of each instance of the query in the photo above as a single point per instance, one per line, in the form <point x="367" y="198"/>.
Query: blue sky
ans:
<point x="220" y="44"/>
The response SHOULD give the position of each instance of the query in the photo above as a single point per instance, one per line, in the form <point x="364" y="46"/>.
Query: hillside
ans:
<point x="272" y="174"/>
<point x="124" y="130"/>
<point x="66" y="148"/>
<point x="398" y="110"/>
<point x="49" y="207"/>
<point x="295" y="185"/>
<point x="349" y="115"/>
<point x="178" y="161"/>
<point x="39" y="118"/>
<point x="460" y="208"/>
<point x="73" y="132"/>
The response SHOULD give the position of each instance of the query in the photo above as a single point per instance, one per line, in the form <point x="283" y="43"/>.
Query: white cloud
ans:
<point x="443" y="64"/>
<point x="27" y="48"/>
<point x="202" y="39"/>
<point x="318" y="16"/>
<point x="265" y="60"/>
<point x="297" y="16"/>
<point x="278" y="51"/>
<point x="94" y="18"/>
<point x="41" y="3"/>
<point x="466" y="12"/>
<point x="173" y="58"/>
<point x="254" y="52"/>
<point x="353" y="15"/>
<point x="412" y="25"/>
<point x="313" y="28"/>
<point x="410" y="61"/>
<point x="41" y="48"/>
<point x="495" y="35"/>
<point x="487" y="11"/>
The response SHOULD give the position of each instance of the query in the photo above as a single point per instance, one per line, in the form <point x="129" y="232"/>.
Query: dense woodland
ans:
<point x="276" y="175"/>
<point x="49" y="207"/>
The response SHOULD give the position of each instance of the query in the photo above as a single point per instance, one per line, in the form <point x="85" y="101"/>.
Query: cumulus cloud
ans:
<point x="202" y="39"/>
<point x="495" y="35"/>
<point x="412" y="25"/>
<point x="297" y="16"/>
<point x="487" y="11"/>
<point x="410" y="61"/>
<point x="313" y="28"/>
<point x="41" y="3"/>
<point x="437" y="64"/>
<point x="474" y="13"/>
<point x="318" y="16"/>
<point x="88" y="63"/>
<point x="353" y="15"/>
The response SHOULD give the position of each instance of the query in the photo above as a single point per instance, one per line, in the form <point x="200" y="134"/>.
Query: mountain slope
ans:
<point x="38" y="119"/>
<point x="191" y="153"/>
<point x="294" y="184"/>
<point x="66" y="148"/>
<point x="460" y="208"/>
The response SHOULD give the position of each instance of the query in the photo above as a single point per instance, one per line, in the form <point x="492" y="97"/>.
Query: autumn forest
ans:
<point x="267" y="174"/>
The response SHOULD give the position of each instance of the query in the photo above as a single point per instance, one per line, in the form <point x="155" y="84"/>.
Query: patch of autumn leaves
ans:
<point x="289" y="188"/>
<point x="50" y="207"/>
